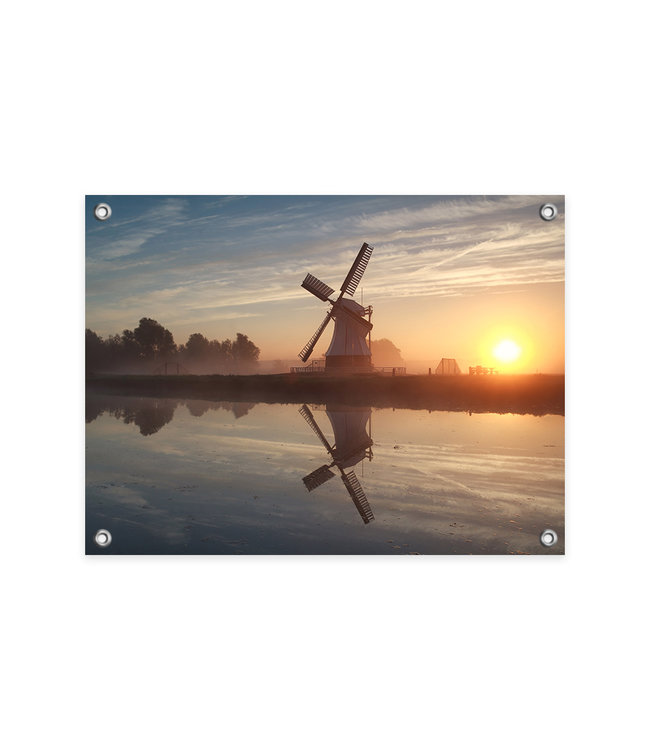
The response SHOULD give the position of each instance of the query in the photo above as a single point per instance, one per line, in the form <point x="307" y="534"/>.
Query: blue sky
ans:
<point x="219" y="265"/>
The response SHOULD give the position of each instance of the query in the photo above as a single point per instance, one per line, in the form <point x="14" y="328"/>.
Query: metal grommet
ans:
<point x="548" y="537"/>
<point x="548" y="211"/>
<point x="102" y="211"/>
<point x="103" y="538"/>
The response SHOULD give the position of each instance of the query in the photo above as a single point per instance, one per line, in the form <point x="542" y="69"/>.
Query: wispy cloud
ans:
<point x="118" y="239"/>
<point x="192" y="257"/>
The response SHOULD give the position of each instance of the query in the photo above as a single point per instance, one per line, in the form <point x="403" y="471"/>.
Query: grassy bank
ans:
<point x="519" y="394"/>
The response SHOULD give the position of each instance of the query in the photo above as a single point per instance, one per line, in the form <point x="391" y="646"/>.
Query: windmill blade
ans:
<point x="357" y="318"/>
<point x="308" y="348"/>
<point x="317" y="287"/>
<point x="355" y="273"/>
<point x="318" y="477"/>
<point x="305" y="411"/>
<point x="355" y="490"/>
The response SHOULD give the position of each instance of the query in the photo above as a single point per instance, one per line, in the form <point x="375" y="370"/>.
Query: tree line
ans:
<point x="151" y="345"/>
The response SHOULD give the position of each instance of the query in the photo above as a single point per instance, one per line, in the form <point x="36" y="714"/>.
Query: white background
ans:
<point x="338" y="97"/>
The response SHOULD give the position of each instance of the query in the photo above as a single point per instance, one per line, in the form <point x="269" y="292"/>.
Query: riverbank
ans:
<point x="517" y="394"/>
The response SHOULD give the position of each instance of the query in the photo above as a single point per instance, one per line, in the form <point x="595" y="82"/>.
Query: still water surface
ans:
<point x="168" y="476"/>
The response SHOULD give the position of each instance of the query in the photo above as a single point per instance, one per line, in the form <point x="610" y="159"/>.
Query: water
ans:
<point x="197" y="477"/>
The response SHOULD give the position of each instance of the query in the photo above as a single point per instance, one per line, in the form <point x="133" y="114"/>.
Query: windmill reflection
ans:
<point x="351" y="444"/>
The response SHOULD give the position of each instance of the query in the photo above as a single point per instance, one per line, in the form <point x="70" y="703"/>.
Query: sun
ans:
<point x="507" y="351"/>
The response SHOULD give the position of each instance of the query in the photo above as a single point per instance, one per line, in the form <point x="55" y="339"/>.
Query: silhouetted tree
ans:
<point x="135" y="350"/>
<point x="221" y="355"/>
<point x="386" y="354"/>
<point x="244" y="352"/>
<point x="95" y="352"/>
<point x="155" y="340"/>
<point x="197" y="347"/>
<point x="114" y="350"/>
<point x="131" y="349"/>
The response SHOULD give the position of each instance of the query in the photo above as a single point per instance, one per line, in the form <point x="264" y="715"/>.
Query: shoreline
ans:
<point x="517" y="394"/>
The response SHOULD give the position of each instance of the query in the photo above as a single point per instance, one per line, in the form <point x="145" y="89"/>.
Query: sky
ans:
<point x="450" y="276"/>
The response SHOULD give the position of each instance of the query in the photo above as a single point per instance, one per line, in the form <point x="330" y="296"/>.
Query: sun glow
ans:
<point x="507" y="351"/>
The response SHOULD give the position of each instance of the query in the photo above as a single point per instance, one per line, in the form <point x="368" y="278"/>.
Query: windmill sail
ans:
<point x="357" y="269"/>
<point x="317" y="287"/>
<point x="318" y="477"/>
<point x="308" y="348"/>
<point x="355" y="490"/>
<point x="306" y="414"/>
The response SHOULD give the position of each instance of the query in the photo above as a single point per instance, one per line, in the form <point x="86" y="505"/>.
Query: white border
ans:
<point x="345" y="98"/>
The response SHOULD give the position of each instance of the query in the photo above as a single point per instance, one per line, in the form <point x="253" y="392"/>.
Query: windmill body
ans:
<point x="350" y="428"/>
<point x="348" y="350"/>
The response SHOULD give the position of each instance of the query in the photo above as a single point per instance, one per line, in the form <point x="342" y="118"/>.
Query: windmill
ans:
<point x="348" y="349"/>
<point x="351" y="445"/>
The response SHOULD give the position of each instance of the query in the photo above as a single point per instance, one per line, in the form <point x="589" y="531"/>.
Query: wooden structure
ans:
<point x="315" y="366"/>
<point x="448" y="367"/>
<point x="171" y="368"/>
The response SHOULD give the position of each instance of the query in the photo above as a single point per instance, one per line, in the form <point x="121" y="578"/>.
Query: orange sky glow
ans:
<point x="449" y="276"/>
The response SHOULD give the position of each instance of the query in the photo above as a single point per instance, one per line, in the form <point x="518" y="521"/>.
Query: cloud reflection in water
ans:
<point x="171" y="476"/>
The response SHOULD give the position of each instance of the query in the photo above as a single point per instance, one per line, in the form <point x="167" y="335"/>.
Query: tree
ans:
<point x="114" y="349"/>
<point x="278" y="366"/>
<point x="155" y="340"/>
<point x="131" y="349"/>
<point x="244" y="350"/>
<point x="386" y="354"/>
<point x="221" y="354"/>
<point x="134" y="350"/>
<point x="197" y="347"/>
<point x="95" y="353"/>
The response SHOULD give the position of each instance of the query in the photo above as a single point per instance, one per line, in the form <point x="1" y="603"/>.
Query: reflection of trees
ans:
<point x="94" y="407"/>
<point x="146" y="413"/>
<point x="151" y="414"/>
<point x="240" y="409"/>
<point x="151" y="417"/>
<point x="198" y="408"/>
